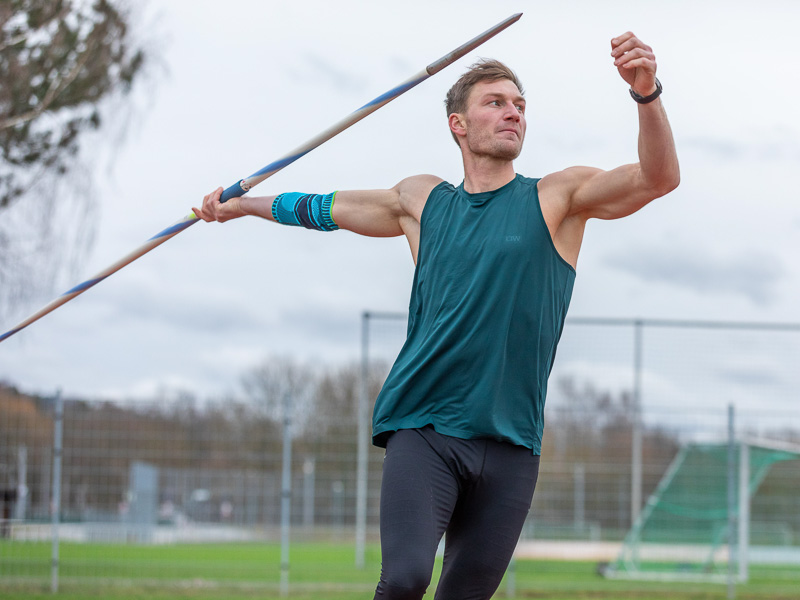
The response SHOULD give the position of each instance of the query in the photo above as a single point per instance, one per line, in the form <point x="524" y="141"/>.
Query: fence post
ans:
<point x="21" y="505"/>
<point x="55" y="507"/>
<point x="309" y="497"/>
<point x="511" y="578"/>
<point x="744" y="511"/>
<point x="579" y="498"/>
<point x="362" y="432"/>
<point x="286" y="493"/>
<point x="636" y="434"/>
<point x="731" y="504"/>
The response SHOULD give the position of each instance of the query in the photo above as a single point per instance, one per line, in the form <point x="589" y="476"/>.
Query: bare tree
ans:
<point x="336" y="398"/>
<point x="270" y="382"/>
<point x="61" y="63"/>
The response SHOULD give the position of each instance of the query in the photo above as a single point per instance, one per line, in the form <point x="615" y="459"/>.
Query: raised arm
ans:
<point x="594" y="193"/>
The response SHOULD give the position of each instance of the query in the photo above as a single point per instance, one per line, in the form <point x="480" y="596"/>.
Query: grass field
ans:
<point x="318" y="570"/>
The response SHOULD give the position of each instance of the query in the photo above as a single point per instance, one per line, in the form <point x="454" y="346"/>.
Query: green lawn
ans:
<point x="318" y="570"/>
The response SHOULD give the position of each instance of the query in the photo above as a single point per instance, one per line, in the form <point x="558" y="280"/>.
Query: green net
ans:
<point x="683" y="531"/>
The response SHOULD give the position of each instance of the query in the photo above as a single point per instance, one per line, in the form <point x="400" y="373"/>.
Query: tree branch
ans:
<point x="14" y="41"/>
<point x="56" y="87"/>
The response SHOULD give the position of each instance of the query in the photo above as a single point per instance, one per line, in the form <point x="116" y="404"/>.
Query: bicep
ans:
<point x="374" y="213"/>
<point x="384" y="213"/>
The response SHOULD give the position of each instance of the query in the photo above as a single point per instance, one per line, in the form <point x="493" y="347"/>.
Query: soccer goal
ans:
<point x="689" y="528"/>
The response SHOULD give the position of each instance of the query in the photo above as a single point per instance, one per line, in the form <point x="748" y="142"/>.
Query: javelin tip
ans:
<point x="453" y="56"/>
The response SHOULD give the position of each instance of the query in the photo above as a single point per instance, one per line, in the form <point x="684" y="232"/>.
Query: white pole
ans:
<point x="636" y="434"/>
<point x="309" y="497"/>
<point x="362" y="449"/>
<point x="55" y="507"/>
<point x="744" y="511"/>
<point x="286" y="494"/>
<point x="579" y="497"/>
<point x="511" y="579"/>
<point x="21" y="506"/>
<point x="731" y="504"/>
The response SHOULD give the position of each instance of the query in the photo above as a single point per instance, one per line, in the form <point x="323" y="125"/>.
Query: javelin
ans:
<point x="244" y="185"/>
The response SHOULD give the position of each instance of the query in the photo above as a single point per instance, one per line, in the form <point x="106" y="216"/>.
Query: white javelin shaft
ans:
<point x="247" y="183"/>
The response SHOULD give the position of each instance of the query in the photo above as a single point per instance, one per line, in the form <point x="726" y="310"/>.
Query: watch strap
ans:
<point x="647" y="99"/>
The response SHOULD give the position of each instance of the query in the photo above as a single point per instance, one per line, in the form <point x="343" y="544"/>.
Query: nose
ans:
<point x="512" y="112"/>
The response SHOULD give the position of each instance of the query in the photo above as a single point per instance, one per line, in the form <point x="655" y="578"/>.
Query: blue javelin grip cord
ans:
<point x="244" y="185"/>
<point x="235" y="191"/>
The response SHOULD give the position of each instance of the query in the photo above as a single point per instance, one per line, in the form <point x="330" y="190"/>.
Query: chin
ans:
<point x="507" y="153"/>
<point x="500" y="151"/>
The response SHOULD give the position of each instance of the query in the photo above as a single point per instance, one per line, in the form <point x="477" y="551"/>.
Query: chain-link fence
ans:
<point x="271" y="489"/>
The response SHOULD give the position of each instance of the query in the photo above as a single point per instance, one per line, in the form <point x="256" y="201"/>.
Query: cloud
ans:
<point x="774" y="145"/>
<point x="752" y="275"/>
<point x="157" y="302"/>
<point x="316" y="67"/>
<point x="720" y="148"/>
<point x="752" y="376"/>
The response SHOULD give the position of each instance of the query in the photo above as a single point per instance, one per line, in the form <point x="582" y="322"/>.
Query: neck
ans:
<point x="487" y="174"/>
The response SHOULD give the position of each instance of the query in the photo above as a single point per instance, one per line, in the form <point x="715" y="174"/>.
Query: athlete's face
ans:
<point x="495" y="119"/>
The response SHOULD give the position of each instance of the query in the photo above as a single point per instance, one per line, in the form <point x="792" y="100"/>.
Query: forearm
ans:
<point x="370" y="213"/>
<point x="257" y="206"/>
<point x="658" y="159"/>
<point x="377" y="213"/>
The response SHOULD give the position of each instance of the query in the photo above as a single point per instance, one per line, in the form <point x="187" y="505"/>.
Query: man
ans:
<point x="461" y="412"/>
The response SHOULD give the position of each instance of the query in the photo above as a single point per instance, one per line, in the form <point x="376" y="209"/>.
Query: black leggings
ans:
<point x="477" y="491"/>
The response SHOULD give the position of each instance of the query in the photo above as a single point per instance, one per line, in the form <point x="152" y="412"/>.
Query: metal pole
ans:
<point x="731" y="504"/>
<point x="286" y="493"/>
<point x="362" y="449"/>
<point x="744" y="511"/>
<point x="55" y="507"/>
<point x="511" y="579"/>
<point x="579" y="497"/>
<point x="636" y="434"/>
<point x="21" y="506"/>
<point x="309" y="497"/>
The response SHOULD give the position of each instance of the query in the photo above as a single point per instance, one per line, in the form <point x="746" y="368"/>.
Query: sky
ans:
<point x="241" y="83"/>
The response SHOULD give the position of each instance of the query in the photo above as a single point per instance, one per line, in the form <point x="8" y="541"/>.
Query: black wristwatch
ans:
<point x="647" y="99"/>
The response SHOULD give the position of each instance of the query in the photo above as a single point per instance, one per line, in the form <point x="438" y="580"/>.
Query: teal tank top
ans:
<point x="487" y="308"/>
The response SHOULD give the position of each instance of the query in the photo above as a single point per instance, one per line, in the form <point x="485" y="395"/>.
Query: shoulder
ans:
<point x="556" y="193"/>
<point x="568" y="180"/>
<point x="558" y="190"/>
<point x="413" y="192"/>
<point x="418" y="185"/>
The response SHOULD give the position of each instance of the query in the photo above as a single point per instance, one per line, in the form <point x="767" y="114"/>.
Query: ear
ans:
<point x="458" y="124"/>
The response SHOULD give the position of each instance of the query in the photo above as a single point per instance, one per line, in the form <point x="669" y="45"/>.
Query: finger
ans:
<point x="202" y="213"/>
<point x="621" y="39"/>
<point x="635" y="54"/>
<point x="210" y="204"/>
<point x="631" y="45"/>
<point x="643" y="63"/>
<point x="209" y="200"/>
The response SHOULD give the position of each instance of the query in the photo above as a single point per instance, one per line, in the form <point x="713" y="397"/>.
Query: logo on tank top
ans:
<point x="514" y="238"/>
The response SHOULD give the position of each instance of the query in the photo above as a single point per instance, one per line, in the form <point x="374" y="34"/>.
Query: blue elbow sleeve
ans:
<point x="312" y="211"/>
